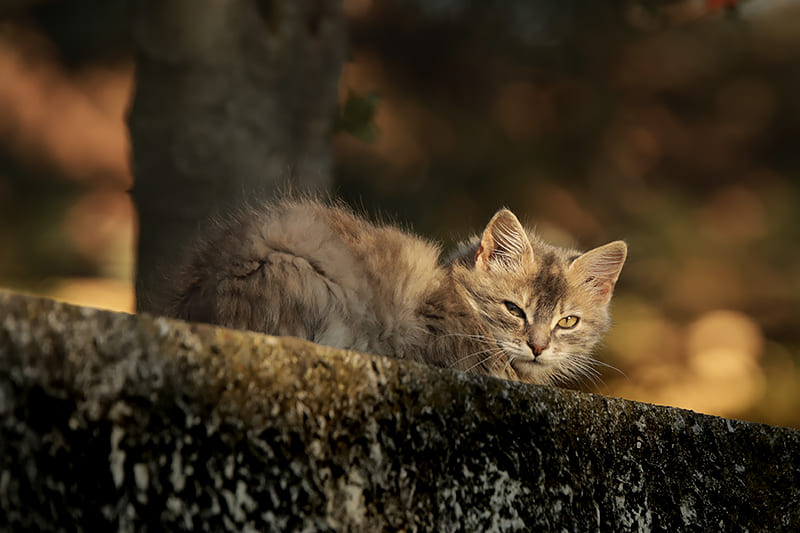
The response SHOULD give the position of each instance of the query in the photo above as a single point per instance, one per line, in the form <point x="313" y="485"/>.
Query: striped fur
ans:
<point x="320" y="272"/>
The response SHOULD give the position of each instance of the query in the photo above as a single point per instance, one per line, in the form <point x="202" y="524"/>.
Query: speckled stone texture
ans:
<point x="113" y="422"/>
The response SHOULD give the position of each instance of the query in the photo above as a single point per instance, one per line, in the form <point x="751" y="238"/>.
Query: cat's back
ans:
<point x="337" y="240"/>
<point x="259" y="236"/>
<point x="366" y="271"/>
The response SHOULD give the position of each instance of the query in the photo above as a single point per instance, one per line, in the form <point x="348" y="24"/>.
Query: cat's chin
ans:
<point x="534" y="369"/>
<point x="543" y="361"/>
<point x="528" y="368"/>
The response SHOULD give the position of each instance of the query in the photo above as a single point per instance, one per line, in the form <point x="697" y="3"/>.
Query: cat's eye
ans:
<point x="514" y="309"/>
<point x="568" y="322"/>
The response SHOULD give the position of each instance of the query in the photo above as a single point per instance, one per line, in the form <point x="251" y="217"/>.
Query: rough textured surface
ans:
<point x="131" y="423"/>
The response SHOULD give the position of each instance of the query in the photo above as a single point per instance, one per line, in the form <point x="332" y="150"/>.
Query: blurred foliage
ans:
<point x="671" y="124"/>
<point x="32" y="236"/>
<point x="357" y="116"/>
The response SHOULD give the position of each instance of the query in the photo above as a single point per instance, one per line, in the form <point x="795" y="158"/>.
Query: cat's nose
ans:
<point x="537" y="349"/>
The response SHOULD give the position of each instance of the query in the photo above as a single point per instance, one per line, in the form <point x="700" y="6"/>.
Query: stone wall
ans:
<point x="133" y="423"/>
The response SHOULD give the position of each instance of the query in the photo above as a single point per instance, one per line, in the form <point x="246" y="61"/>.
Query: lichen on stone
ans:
<point x="113" y="421"/>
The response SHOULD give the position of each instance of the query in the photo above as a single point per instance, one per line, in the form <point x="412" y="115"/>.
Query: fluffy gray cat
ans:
<point x="505" y="304"/>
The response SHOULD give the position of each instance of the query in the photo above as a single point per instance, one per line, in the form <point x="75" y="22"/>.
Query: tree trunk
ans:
<point x="232" y="98"/>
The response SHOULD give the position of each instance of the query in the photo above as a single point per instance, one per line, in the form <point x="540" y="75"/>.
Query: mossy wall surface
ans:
<point x="113" y="422"/>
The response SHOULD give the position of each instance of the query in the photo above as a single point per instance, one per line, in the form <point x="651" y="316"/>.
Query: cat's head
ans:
<point x="542" y="308"/>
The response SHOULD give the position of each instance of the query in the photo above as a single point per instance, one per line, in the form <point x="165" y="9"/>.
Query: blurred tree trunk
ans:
<point x="232" y="99"/>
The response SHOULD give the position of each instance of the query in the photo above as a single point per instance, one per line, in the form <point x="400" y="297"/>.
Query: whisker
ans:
<point x="590" y="361"/>
<point x="580" y="367"/>
<point x="508" y="363"/>
<point x="470" y="336"/>
<point x="485" y="359"/>
<point x="479" y="352"/>
<point x="610" y="367"/>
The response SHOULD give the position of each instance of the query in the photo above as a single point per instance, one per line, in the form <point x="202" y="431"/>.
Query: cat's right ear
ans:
<point x="504" y="242"/>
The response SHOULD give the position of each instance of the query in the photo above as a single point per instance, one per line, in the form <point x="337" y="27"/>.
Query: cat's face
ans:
<point x="543" y="308"/>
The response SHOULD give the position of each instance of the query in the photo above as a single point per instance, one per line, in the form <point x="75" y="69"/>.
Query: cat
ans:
<point x="505" y="303"/>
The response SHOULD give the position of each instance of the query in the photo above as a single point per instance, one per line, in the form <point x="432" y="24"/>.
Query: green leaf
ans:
<point x="357" y="116"/>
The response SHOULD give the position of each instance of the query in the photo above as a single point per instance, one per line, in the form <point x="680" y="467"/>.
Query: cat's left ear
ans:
<point x="504" y="242"/>
<point x="599" y="269"/>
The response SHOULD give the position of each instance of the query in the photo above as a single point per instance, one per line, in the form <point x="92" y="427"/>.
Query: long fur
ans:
<point x="314" y="270"/>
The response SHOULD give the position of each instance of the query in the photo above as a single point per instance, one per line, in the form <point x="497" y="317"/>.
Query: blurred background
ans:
<point x="673" y="125"/>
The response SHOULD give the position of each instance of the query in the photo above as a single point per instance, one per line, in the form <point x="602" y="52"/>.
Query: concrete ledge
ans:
<point x="131" y="423"/>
